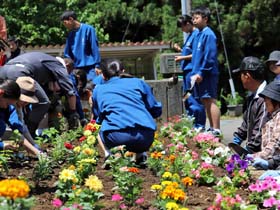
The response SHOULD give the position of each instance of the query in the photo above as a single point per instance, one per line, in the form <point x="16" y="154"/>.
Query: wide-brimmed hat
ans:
<point x="250" y="64"/>
<point x="272" y="90"/>
<point x="273" y="56"/>
<point x="27" y="89"/>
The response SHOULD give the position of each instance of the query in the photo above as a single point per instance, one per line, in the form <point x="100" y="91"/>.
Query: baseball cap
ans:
<point x="249" y="63"/>
<point x="27" y="89"/>
<point x="273" y="56"/>
<point x="272" y="90"/>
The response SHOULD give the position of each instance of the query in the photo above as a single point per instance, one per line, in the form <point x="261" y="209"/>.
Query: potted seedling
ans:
<point x="234" y="104"/>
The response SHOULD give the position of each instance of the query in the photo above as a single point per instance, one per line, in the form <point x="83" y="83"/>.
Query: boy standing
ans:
<point x="81" y="45"/>
<point x="205" y="67"/>
<point x="193" y="107"/>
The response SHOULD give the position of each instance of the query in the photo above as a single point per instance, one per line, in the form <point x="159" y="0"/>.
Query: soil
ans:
<point x="199" y="197"/>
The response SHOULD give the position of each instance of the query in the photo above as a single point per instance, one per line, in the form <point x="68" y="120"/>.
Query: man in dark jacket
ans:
<point x="51" y="76"/>
<point x="251" y="73"/>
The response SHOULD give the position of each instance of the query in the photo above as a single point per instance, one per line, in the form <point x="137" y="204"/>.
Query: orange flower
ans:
<point x="172" y="158"/>
<point x="156" y="155"/>
<point x="133" y="170"/>
<point x="74" y="187"/>
<point x="187" y="181"/>
<point x="91" y="127"/>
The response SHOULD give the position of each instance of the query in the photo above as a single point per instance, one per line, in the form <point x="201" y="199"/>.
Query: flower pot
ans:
<point x="235" y="110"/>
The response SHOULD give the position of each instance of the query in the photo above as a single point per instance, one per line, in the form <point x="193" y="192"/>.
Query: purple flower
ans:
<point x="230" y="167"/>
<point x="235" y="157"/>
<point x="243" y="164"/>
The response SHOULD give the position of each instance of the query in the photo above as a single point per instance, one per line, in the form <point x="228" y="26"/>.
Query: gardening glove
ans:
<point x="260" y="163"/>
<point x="236" y="140"/>
<point x="83" y="122"/>
<point x="249" y="156"/>
<point x="73" y="120"/>
<point x="270" y="173"/>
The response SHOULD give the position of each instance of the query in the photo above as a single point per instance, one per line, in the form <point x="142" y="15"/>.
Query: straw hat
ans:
<point x="27" y="89"/>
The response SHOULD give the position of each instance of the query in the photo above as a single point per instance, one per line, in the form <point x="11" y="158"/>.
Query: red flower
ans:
<point x="68" y="145"/>
<point x="82" y="139"/>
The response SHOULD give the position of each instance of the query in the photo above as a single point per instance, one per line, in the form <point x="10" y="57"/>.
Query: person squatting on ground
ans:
<point x="81" y="45"/>
<point x="269" y="156"/>
<point x="193" y="106"/>
<point x="125" y="108"/>
<point x="205" y="67"/>
<point x="50" y="76"/>
<point x="10" y="93"/>
<point x="252" y="74"/>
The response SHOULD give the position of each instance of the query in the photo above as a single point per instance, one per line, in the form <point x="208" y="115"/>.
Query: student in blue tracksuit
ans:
<point x="193" y="107"/>
<point x="81" y="44"/>
<point x="10" y="94"/>
<point x="125" y="108"/>
<point x="205" y="67"/>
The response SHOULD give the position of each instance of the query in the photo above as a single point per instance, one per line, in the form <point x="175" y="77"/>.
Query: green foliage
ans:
<point x="230" y="100"/>
<point x="42" y="169"/>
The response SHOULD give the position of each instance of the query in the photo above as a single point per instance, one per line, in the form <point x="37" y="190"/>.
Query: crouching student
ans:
<point x="269" y="156"/>
<point x="10" y="94"/>
<point x="125" y="108"/>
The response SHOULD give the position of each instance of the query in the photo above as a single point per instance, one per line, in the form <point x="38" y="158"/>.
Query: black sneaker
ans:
<point x="142" y="161"/>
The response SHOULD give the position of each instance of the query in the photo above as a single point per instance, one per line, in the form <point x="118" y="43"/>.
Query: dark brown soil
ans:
<point x="199" y="197"/>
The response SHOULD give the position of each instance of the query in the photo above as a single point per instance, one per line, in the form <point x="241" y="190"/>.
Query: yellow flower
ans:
<point x="87" y="133"/>
<point x="91" y="140"/>
<point x="94" y="183"/>
<point x="156" y="135"/>
<point x="77" y="149"/>
<point x="88" y="151"/>
<point x="72" y="167"/>
<point x="14" y="188"/>
<point x="67" y="174"/>
<point x="183" y="208"/>
<point x="78" y="192"/>
<point x="176" y="176"/>
<point x="87" y="160"/>
<point x="156" y="187"/>
<point x="167" y="175"/>
<point x="165" y="183"/>
<point x="172" y="206"/>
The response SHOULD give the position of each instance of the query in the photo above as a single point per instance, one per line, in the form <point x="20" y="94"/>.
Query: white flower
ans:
<point x="208" y="160"/>
<point x="272" y="193"/>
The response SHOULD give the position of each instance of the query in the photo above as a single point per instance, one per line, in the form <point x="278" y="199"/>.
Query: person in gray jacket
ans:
<point x="252" y="75"/>
<point x="51" y="76"/>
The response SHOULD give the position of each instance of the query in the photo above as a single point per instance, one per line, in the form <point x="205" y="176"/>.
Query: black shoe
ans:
<point x="142" y="161"/>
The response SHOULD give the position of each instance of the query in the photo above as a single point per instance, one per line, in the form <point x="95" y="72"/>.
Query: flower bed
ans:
<point x="185" y="170"/>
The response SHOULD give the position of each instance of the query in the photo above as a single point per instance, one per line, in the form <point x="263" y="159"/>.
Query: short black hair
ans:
<point x="11" y="89"/>
<point x="183" y="20"/>
<point x="203" y="11"/>
<point x="111" y="68"/>
<point x="67" y="14"/>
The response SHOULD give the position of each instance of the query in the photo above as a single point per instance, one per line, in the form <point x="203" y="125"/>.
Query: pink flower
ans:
<point x="194" y="155"/>
<point x="123" y="206"/>
<point x="117" y="197"/>
<point x="219" y="198"/>
<point x="270" y="202"/>
<point x="139" y="201"/>
<point x="57" y="203"/>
